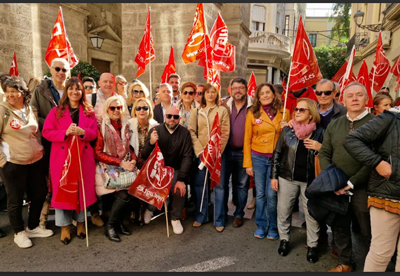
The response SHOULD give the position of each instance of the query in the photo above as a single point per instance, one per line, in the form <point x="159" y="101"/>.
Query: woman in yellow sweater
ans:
<point x="262" y="130"/>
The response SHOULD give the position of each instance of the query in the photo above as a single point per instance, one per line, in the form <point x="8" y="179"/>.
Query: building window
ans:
<point x="258" y="18"/>
<point x="277" y="30"/>
<point x="313" y="39"/>
<point x="286" y="30"/>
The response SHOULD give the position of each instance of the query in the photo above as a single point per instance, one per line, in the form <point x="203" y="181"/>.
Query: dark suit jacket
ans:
<point x="158" y="114"/>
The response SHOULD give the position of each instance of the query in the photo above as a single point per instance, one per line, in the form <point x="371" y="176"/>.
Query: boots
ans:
<point x="114" y="219"/>
<point x="81" y="233"/>
<point x="65" y="235"/>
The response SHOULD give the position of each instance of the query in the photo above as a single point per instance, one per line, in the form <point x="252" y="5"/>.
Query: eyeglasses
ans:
<point x="199" y="93"/>
<point x="122" y="82"/>
<point x="351" y="127"/>
<point x="138" y="108"/>
<point x="138" y="92"/>
<point x="169" y="116"/>
<point x="112" y="108"/>
<point x="89" y="87"/>
<point x="191" y="93"/>
<point x="301" y="110"/>
<point x="326" y="93"/>
<point x="58" y="69"/>
<point x="238" y="88"/>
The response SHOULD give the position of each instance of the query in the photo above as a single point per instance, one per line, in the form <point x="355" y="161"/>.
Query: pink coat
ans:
<point x="54" y="130"/>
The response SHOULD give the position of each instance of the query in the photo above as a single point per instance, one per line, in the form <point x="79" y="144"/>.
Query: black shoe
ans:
<point x="312" y="255"/>
<point x="123" y="229"/>
<point x="2" y="234"/>
<point x="284" y="248"/>
<point x="111" y="234"/>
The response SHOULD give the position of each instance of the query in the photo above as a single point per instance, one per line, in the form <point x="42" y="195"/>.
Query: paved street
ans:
<point x="149" y="249"/>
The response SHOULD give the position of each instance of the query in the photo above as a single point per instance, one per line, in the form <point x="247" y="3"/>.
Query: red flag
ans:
<point x="14" y="66"/>
<point x="211" y="155"/>
<point x="338" y="77"/>
<point x="68" y="190"/>
<point x="364" y="80"/>
<point x="213" y="77"/>
<point x="154" y="180"/>
<point x="145" y="53"/>
<point x="398" y="83"/>
<point x="59" y="45"/>
<point x="396" y="67"/>
<point x="348" y="76"/>
<point x="252" y="86"/>
<point x="304" y="70"/>
<point x="380" y="68"/>
<point x="197" y="42"/>
<point x="169" y="68"/>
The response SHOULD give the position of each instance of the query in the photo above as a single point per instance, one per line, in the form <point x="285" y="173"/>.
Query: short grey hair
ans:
<point x="62" y="60"/>
<point x="323" y="81"/>
<point x="356" y="83"/>
<point x="169" y="87"/>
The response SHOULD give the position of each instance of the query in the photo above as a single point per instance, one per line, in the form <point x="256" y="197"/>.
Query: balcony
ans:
<point x="267" y="42"/>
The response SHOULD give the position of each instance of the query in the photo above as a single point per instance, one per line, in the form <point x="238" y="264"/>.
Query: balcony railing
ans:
<point x="265" y="41"/>
<point x="360" y="40"/>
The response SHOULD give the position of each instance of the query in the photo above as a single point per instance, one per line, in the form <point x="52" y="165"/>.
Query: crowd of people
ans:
<point x="282" y="150"/>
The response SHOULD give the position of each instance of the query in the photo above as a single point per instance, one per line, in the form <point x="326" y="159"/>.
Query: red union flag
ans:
<point x="364" y="80"/>
<point x="396" y="68"/>
<point x="197" y="42"/>
<point x="145" y="53"/>
<point x="348" y="76"/>
<point x="59" y="45"/>
<point x="338" y="77"/>
<point x="252" y="86"/>
<point x="211" y="156"/>
<point x="14" y="66"/>
<point x="304" y="70"/>
<point x="213" y="77"/>
<point x="68" y="191"/>
<point x="154" y="180"/>
<point x="380" y="68"/>
<point x="169" y="68"/>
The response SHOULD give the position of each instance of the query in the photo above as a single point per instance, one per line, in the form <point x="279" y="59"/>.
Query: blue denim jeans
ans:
<point x="202" y="216"/>
<point x="64" y="217"/>
<point x="232" y="165"/>
<point x="266" y="198"/>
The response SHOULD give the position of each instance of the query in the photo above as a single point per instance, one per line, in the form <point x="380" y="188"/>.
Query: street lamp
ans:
<point x="359" y="18"/>
<point x="97" y="41"/>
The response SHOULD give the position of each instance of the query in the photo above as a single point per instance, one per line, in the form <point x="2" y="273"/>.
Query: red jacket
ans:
<point x="292" y="100"/>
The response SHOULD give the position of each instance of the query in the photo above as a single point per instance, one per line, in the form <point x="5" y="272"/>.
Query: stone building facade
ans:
<point x="27" y="27"/>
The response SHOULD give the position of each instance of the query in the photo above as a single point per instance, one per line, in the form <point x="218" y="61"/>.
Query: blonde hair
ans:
<point x="130" y="100"/>
<point x="135" y="104"/>
<point x="312" y="108"/>
<point x="113" y="99"/>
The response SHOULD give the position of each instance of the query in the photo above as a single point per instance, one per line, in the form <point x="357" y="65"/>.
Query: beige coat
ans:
<point x="200" y="124"/>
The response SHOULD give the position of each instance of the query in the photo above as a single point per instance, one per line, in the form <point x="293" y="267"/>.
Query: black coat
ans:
<point x="378" y="140"/>
<point x="323" y="203"/>
<point x="284" y="157"/>
<point x="158" y="114"/>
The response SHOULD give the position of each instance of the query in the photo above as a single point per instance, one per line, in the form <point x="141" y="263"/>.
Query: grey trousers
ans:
<point x="287" y="193"/>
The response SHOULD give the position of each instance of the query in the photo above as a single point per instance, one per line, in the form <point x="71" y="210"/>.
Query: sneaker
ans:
<point x="177" y="226"/>
<point x="272" y="236"/>
<point x="147" y="216"/>
<point x="259" y="234"/>
<point x="22" y="240"/>
<point x="38" y="232"/>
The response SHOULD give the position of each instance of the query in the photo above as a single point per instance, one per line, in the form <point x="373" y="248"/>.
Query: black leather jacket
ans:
<point x="378" y="140"/>
<point x="283" y="160"/>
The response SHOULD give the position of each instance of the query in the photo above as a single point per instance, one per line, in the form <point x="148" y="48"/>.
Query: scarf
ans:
<point x="303" y="131"/>
<point x="116" y="145"/>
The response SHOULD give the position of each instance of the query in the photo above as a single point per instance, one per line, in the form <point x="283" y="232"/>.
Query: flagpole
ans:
<point x="151" y="90"/>
<point x="166" y="217"/>
<point x="83" y="191"/>
<point x="373" y="82"/>
<point x="388" y="79"/>
<point x="287" y="91"/>
<point x="204" y="188"/>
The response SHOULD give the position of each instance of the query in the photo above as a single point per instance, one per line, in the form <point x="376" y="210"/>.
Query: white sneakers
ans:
<point x="38" y="232"/>
<point x="147" y="216"/>
<point x="22" y="240"/>
<point x="177" y="226"/>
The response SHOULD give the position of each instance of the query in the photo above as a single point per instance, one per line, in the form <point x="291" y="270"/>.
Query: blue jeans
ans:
<point x="219" y="204"/>
<point x="64" y="217"/>
<point x="232" y="164"/>
<point x="266" y="198"/>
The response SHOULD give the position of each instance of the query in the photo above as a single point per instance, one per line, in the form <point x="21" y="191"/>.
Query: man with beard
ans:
<point x="175" y="81"/>
<point x="232" y="158"/>
<point x="175" y="144"/>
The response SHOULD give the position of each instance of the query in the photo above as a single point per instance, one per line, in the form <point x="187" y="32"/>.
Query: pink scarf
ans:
<point x="303" y="131"/>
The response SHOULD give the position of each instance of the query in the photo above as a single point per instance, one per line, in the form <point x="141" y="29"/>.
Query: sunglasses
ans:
<point x="169" y="116"/>
<point x="58" y="69"/>
<point x="122" y="82"/>
<point x="337" y="95"/>
<point x="89" y="87"/>
<point x="112" y="108"/>
<point x="200" y="93"/>
<point x="138" y="92"/>
<point x="191" y="93"/>
<point x="326" y="93"/>
<point x="301" y="110"/>
<point x="138" y="108"/>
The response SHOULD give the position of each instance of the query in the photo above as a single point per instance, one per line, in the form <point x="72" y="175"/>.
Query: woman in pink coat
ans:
<point x="73" y="116"/>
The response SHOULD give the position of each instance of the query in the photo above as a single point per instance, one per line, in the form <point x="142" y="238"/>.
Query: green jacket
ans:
<point x="43" y="101"/>
<point x="333" y="152"/>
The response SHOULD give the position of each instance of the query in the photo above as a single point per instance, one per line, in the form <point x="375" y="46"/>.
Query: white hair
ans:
<point x="63" y="61"/>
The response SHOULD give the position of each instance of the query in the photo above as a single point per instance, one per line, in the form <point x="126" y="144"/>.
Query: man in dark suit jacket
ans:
<point x="165" y="96"/>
